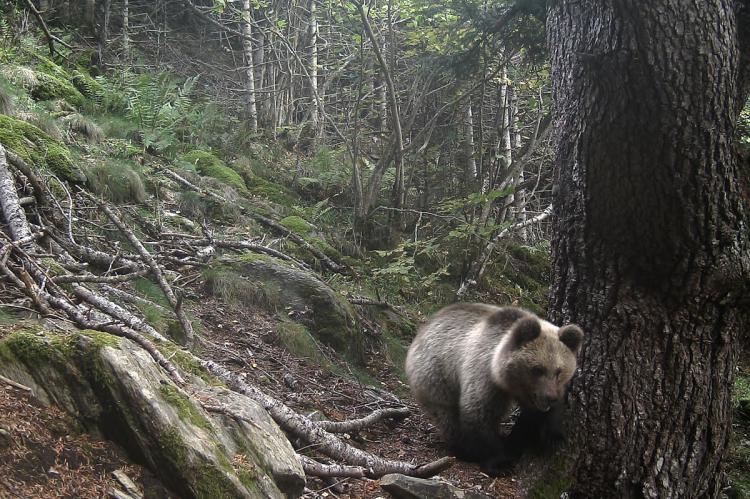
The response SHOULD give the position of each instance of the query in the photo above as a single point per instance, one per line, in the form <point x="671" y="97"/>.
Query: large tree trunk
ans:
<point x="650" y="246"/>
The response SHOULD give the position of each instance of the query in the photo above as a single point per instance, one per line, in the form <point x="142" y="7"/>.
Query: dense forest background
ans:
<point x="398" y="152"/>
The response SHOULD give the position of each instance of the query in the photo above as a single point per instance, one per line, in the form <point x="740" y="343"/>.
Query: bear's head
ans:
<point x="535" y="361"/>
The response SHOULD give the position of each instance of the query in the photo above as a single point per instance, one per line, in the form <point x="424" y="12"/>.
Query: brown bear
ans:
<point x="470" y="365"/>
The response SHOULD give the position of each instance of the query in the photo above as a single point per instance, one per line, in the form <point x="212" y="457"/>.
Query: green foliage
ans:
<point x="38" y="148"/>
<point x="118" y="181"/>
<point x="210" y="166"/>
<point x="412" y="269"/>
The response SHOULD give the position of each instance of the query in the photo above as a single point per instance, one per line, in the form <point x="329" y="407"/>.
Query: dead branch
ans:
<point x="131" y="298"/>
<point x="324" y="259"/>
<point x="176" y="304"/>
<point x="51" y="39"/>
<point x="111" y="279"/>
<point x="327" y="443"/>
<point x="12" y="383"/>
<point x="116" y="311"/>
<point x="80" y="319"/>
<point x="315" y="468"/>
<point x="357" y="424"/>
<point x="479" y="266"/>
<point x="40" y="188"/>
<point x="97" y="258"/>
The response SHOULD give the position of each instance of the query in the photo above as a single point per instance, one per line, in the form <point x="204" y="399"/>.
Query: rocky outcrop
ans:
<point x="115" y="389"/>
<point x="300" y="295"/>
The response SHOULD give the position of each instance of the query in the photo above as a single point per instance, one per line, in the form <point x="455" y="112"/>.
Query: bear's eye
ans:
<point x="538" y="371"/>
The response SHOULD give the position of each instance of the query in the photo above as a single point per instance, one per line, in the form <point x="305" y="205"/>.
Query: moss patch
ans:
<point x="298" y="225"/>
<point x="554" y="480"/>
<point x="185" y="408"/>
<point x="38" y="148"/>
<point x="296" y="339"/>
<point x="209" y="165"/>
<point x="206" y="481"/>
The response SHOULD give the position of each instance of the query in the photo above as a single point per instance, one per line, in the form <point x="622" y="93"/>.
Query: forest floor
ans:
<point x="48" y="456"/>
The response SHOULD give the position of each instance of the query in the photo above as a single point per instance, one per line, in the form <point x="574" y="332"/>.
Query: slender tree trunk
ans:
<point x="650" y="246"/>
<point x="314" y="114"/>
<point x="247" y="42"/>
<point x="471" y="163"/>
<point x="126" y="29"/>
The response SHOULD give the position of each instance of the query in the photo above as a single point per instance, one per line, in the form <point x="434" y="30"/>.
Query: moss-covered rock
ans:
<point x="51" y="87"/>
<point x="269" y="283"/>
<point x="114" y="388"/>
<point x="209" y="165"/>
<point x="38" y="148"/>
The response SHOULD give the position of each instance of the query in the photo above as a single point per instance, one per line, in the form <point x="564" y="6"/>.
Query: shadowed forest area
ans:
<point x="224" y="222"/>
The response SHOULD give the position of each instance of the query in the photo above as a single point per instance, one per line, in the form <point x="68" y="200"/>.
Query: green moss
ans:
<point x="210" y="166"/>
<point x="187" y="362"/>
<point x="185" y="408"/>
<point x="51" y="87"/>
<point x="395" y="352"/>
<point x="204" y="478"/>
<point x="741" y="391"/>
<point x="85" y="84"/>
<point x="298" y="225"/>
<point x="38" y="148"/>
<point x="271" y="191"/>
<point x="554" y="480"/>
<point x="296" y="339"/>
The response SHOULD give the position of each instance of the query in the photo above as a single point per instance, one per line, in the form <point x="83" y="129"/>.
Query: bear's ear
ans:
<point x="524" y="330"/>
<point x="572" y="336"/>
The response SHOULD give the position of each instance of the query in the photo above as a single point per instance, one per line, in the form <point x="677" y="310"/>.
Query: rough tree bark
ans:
<point x="650" y="245"/>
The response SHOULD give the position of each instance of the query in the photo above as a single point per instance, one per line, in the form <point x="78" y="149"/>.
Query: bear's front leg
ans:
<point x="481" y="411"/>
<point x="534" y="431"/>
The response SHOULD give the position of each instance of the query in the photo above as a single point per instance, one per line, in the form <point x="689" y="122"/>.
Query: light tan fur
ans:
<point x="470" y="364"/>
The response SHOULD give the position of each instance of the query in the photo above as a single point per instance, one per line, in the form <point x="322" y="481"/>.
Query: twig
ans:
<point x="51" y="39"/>
<point x="176" y="303"/>
<point x="15" y="384"/>
<point x="116" y="311"/>
<point x="111" y="279"/>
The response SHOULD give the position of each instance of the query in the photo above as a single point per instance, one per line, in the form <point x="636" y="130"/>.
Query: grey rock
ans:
<point x="406" y="487"/>
<point x="305" y="299"/>
<point x="115" y="389"/>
